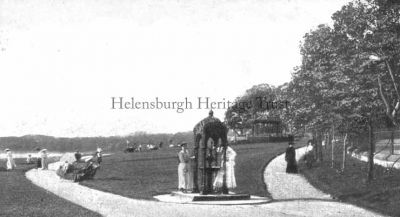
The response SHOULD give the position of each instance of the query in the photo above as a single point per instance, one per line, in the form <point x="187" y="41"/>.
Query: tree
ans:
<point x="350" y="69"/>
<point x="253" y="105"/>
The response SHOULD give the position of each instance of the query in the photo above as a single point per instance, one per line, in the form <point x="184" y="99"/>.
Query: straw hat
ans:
<point x="182" y="144"/>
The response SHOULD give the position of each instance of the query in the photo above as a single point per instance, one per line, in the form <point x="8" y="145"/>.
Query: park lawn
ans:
<point x="20" y="197"/>
<point x="381" y="195"/>
<point x="146" y="174"/>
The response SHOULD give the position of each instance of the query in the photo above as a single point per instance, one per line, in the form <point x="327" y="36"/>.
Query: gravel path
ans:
<point x="283" y="186"/>
<point x="108" y="204"/>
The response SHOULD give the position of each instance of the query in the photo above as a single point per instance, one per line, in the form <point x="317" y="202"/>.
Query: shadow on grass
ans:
<point x="304" y="199"/>
<point x="148" y="159"/>
<point x="20" y="197"/>
<point x="142" y="175"/>
<point x="382" y="194"/>
<point x="110" y="179"/>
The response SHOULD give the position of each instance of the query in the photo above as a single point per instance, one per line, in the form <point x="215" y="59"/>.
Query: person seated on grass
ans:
<point x="63" y="169"/>
<point x="84" y="171"/>
<point x="99" y="155"/>
<point x="78" y="171"/>
<point x="90" y="170"/>
<point x="78" y="155"/>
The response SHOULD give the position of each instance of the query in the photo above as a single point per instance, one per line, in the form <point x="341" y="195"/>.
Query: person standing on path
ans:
<point x="10" y="160"/>
<point x="43" y="156"/>
<point x="39" y="158"/>
<point x="183" y="168"/>
<point x="290" y="158"/>
<point x="230" y="170"/>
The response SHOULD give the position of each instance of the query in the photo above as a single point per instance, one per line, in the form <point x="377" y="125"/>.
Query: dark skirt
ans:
<point x="291" y="167"/>
<point x="39" y="163"/>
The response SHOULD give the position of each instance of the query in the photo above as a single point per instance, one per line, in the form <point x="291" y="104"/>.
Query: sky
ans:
<point x="62" y="62"/>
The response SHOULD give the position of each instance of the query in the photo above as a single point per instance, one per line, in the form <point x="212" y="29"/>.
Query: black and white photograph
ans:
<point x="231" y="108"/>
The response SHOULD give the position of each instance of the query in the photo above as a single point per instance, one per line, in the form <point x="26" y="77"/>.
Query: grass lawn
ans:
<point x="145" y="174"/>
<point x="381" y="195"/>
<point x="20" y="197"/>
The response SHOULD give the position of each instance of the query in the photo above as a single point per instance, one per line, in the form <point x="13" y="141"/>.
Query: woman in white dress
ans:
<point x="43" y="156"/>
<point x="10" y="160"/>
<point x="230" y="170"/>
<point x="183" y="169"/>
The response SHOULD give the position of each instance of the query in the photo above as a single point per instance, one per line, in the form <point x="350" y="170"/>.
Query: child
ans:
<point x="29" y="159"/>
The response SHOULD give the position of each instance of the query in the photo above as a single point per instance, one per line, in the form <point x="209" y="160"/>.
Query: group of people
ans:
<point x="290" y="155"/>
<point x="41" y="163"/>
<point x="42" y="159"/>
<point x="80" y="168"/>
<point x="185" y="175"/>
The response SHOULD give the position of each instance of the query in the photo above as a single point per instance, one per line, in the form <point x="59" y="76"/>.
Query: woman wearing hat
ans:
<point x="183" y="168"/>
<point x="230" y="169"/>
<point x="38" y="158"/>
<point x="10" y="160"/>
<point x="290" y="158"/>
<point x="43" y="157"/>
<point x="99" y="155"/>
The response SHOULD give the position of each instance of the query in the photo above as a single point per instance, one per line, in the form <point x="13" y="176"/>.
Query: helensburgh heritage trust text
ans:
<point x="195" y="103"/>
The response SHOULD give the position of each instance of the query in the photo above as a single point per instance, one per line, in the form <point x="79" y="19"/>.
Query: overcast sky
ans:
<point x="62" y="61"/>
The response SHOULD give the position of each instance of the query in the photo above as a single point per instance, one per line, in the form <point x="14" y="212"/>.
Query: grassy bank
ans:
<point x="20" y="197"/>
<point x="381" y="195"/>
<point x="145" y="174"/>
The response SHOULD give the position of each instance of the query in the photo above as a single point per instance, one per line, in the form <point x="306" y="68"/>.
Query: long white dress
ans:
<point x="230" y="170"/>
<point x="43" y="156"/>
<point x="183" y="170"/>
<point x="10" y="161"/>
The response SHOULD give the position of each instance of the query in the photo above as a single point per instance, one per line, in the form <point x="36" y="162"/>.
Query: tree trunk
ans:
<point x="319" y="145"/>
<point x="392" y="141"/>
<point x="315" y="148"/>
<point x="332" y="147"/>
<point x="371" y="150"/>
<point x="344" y="152"/>
<point x="321" y="157"/>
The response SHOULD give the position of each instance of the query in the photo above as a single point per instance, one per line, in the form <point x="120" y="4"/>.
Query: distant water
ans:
<point x="33" y="154"/>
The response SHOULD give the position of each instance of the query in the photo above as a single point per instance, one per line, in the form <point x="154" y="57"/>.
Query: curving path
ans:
<point x="109" y="204"/>
<point x="294" y="187"/>
<point x="283" y="186"/>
